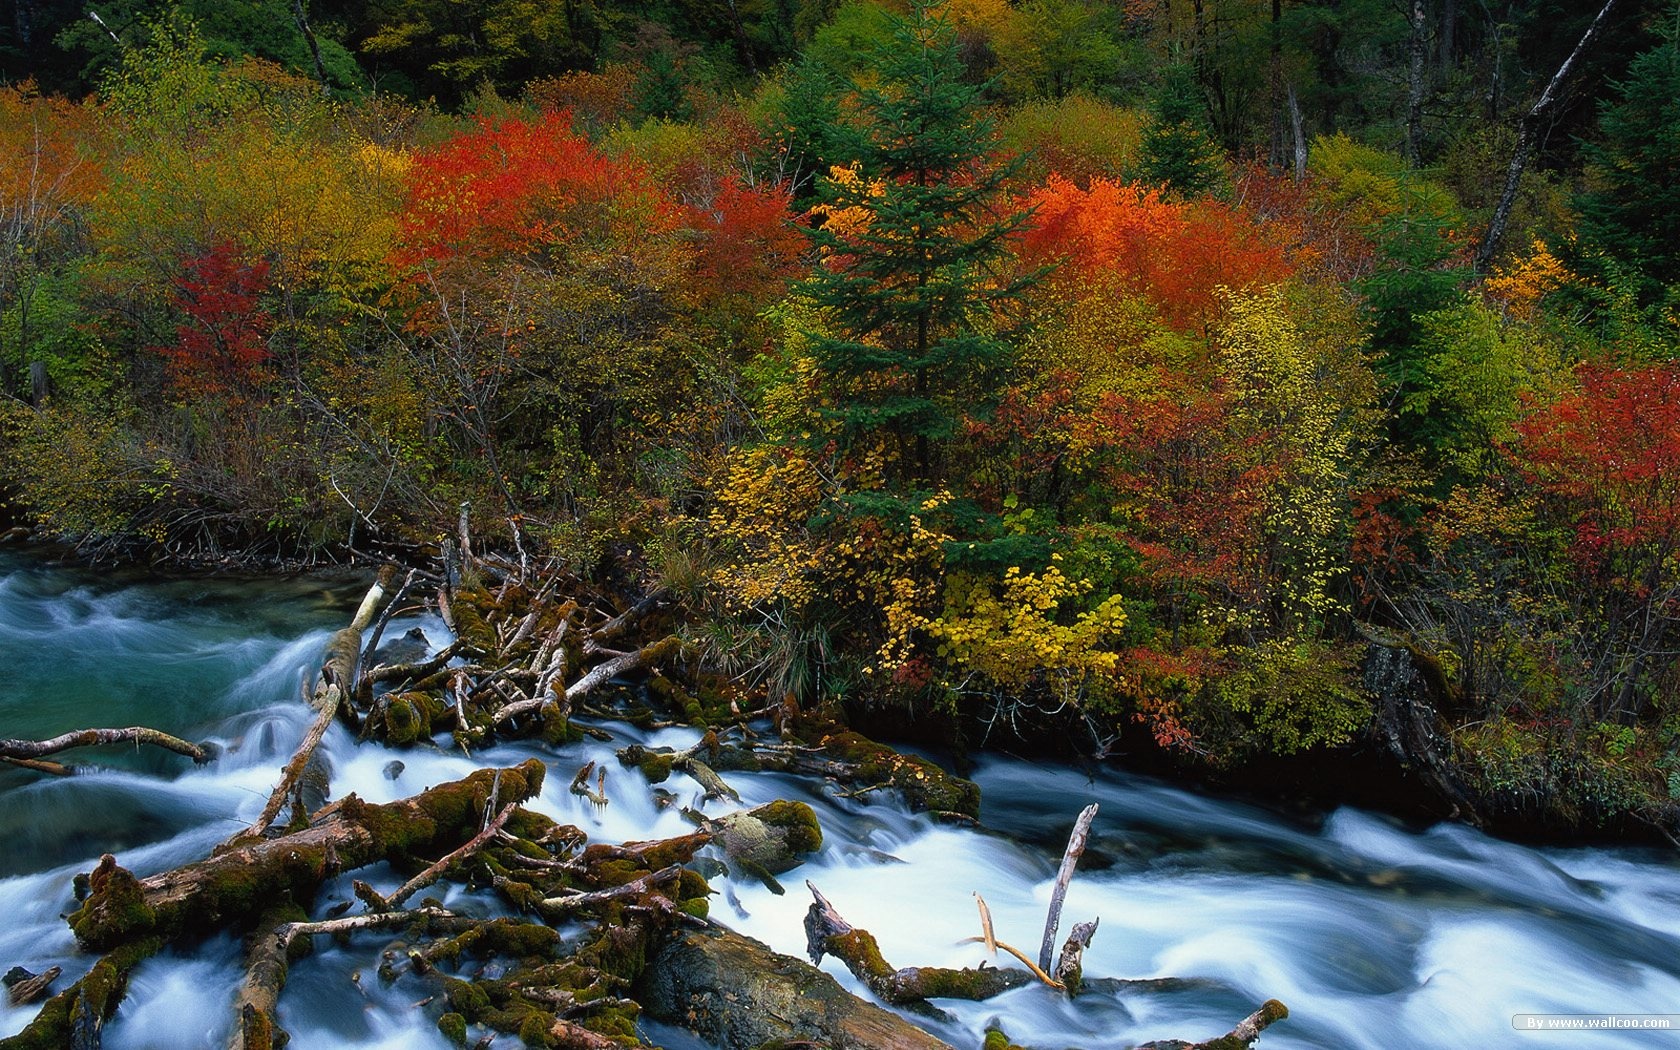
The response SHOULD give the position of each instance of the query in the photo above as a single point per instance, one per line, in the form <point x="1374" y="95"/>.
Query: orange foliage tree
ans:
<point x="1178" y="254"/>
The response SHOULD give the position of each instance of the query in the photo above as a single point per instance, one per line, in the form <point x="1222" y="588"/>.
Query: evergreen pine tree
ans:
<point x="807" y="121"/>
<point x="1178" y="151"/>
<point x="1630" y="219"/>
<point x="910" y="295"/>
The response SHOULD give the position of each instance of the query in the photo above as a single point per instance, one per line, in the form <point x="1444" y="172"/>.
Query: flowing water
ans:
<point x="1375" y="935"/>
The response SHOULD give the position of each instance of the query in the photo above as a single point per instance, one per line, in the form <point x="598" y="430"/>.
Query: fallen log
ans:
<point x="826" y="933"/>
<point x="435" y="871"/>
<point x="736" y="993"/>
<point x="241" y="883"/>
<point x="767" y="840"/>
<point x="343" y="650"/>
<point x="822" y="749"/>
<point x="25" y="750"/>
<point x="556" y="909"/>
<point x="75" y="1017"/>
<point x="23" y="987"/>
<point x="327" y="710"/>
<point x="330" y="698"/>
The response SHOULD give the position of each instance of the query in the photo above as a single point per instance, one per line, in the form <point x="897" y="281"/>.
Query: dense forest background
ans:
<point x="1140" y="370"/>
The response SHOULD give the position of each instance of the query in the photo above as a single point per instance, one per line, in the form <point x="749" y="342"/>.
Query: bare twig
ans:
<point x="558" y="907"/>
<point x="436" y="870"/>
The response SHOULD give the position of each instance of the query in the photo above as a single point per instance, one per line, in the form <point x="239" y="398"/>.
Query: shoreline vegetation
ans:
<point x="1108" y="382"/>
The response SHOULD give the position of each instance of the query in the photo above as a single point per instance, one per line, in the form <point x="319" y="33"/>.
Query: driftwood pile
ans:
<point x="586" y="937"/>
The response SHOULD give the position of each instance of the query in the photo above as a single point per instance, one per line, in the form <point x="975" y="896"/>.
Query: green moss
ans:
<point x="957" y="984"/>
<point x="797" y="822"/>
<point x="51" y="1028"/>
<point x="533" y="1030"/>
<point x="616" y="1022"/>
<point x="618" y="950"/>
<point x="859" y="950"/>
<point x="454" y="1028"/>
<point x="997" y="1040"/>
<point x="679" y="850"/>
<point x="609" y="873"/>
<point x="405" y="721"/>
<point x="557" y="728"/>
<point x="655" y="765"/>
<point x="691" y="884"/>
<point x="529" y="824"/>
<point x="96" y="995"/>
<point x="470" y="625"/>
<point x="521" y="895"/>
<point x="925" y="786"/>
<point x="115" y="910"/>
<point x="699" y="907"/>
<point x="466" y="998"/>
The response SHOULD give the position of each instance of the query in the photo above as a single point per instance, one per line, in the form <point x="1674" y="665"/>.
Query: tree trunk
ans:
<point x="1298" y="135"/>
<point x="240" y="884"/>
<point x="1415" y="83"/>
<point x="1274" y="84"/>
<point x="1527" y="130"/>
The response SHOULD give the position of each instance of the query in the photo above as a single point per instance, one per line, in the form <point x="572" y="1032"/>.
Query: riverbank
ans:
<point x="1401" y="761"/>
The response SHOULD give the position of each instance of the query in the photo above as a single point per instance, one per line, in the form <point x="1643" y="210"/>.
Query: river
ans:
<point x="1376" y="935"/>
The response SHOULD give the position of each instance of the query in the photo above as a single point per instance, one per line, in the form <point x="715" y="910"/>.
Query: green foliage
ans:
<point x="1053" y="48"/>
<point x="229" y="33"/>
<point x="78" y="469"/>
<point x="847" y="44"/>
<point x="660" y="91"/>
<point x="801" y="127"/>
<point x="1178" y="151"/>
<point x="1291" y="696"/>
<point x="1416" y="227"/>
<point x="1475" y="370"/>
<point x="1077" y="136"/>
<point x="48" y="324"/>
<point x="1630" y="212"/>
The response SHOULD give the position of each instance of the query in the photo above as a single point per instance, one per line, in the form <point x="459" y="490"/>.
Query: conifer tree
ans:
<point x="1178" y="152"/>
<point x="910" y="294"/>
<point x="1630" y="218"/>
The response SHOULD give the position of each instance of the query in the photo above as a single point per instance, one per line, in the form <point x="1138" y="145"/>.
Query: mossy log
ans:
<point x="768" y="839"/>
<point x="826" y="933"/>
<point x="75" y="1017"/>
<point x="238" y="885"/>
<point x="1238" y="1038"/>
<point x="735" y="992"/>
<point x="821" y="749"/>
